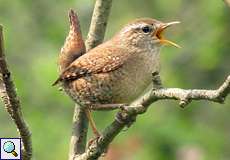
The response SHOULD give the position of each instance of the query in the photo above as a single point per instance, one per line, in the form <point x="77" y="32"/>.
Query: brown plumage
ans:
<point x="74" y="45"/>
<point x="115" y="72"/>
<point x="119" y="70"/>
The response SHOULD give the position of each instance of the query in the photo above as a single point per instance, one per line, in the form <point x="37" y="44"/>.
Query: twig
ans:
<point x="127" y="115"/>
<point x="98" y="23"/>
<point x="79" y="133"/>
<point x="95" y="37"/>
<point x="186" y="96"/>
<point x="12" y="103"/>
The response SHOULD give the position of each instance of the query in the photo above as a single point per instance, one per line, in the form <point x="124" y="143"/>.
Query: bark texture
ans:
<point x="12" y="103"/>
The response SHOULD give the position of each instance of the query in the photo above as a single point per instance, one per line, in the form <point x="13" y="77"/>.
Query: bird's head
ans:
<point x="146" y="32"/>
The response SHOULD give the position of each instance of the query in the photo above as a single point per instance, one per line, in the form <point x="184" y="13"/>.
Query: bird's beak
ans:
<point x="160" y="31"/>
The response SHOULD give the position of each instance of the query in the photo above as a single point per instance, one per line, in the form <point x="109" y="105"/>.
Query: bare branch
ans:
<point x="79" y="132"/>
<point x="95" y="37"/>
<point x="98" y="23"/>
<point x="186" y="96"/>
<point x="12" y="103"/>
<point x="127" y="115"/>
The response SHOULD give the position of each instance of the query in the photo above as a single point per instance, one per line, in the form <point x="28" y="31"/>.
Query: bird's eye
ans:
<point x="146" y="29"/>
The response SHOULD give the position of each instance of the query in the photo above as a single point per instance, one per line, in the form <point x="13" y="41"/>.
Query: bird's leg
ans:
<point x="106" y="107"/>
<point x="93" y="126"/>
<point x="92" y="123"/>
<point x="102" y="107"/>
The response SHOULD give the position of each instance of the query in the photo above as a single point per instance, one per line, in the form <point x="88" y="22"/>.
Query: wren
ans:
<point x="116" y="71"/>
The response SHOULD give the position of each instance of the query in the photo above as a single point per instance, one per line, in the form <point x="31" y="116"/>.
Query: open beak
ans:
<point x="160" y="31"/>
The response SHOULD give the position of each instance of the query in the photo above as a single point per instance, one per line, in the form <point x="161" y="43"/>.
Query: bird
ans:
<point x="115" y="72"/>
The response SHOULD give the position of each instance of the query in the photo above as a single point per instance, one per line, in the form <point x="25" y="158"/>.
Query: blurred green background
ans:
<point x="34" y="33"/>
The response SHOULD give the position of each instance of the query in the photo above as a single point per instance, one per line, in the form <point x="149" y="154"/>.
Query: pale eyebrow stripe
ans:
<point x="133" y="26"/>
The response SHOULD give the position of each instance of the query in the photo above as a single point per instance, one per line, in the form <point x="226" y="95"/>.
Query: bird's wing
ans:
<point x="98" y="60"/>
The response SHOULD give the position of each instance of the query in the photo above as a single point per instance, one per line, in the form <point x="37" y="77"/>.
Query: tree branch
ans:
<point x="95" y="37"/>
<point x="12" y="103"/>
<point x="127" y="115"/>
<point x="79" y="132"/>
<point x="98" y="23"/>
<point x="186" y="96"/>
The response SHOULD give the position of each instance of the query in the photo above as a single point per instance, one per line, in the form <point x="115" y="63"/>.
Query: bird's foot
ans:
<point x="93" y="142"/>
<point x="124" y="117"/>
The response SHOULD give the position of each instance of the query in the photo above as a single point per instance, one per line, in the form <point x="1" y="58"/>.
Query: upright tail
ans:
<point x="74" y="45"/>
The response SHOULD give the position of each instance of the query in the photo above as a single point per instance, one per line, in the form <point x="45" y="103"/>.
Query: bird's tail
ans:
<point x="74" y="45"/>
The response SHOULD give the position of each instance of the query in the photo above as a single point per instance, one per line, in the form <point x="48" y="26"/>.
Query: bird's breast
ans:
<point x="135" y="76"/>
<point x="122" y="85"/>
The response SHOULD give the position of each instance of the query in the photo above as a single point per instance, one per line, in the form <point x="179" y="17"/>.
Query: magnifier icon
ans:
<point x="9" y="147"/>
